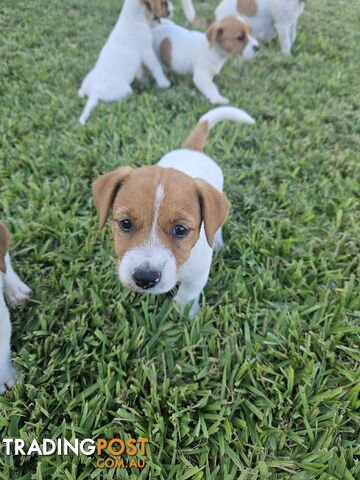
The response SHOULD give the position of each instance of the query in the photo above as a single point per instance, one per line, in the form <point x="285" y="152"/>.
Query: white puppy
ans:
<point x="166" y="219"/>
<point x="126" y="51"/>
<point x="16" y="292"/>
<point x="189" y="52"/>
<point x="267" y="18"/>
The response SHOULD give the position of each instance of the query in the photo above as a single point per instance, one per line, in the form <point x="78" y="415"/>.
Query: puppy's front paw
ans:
<point x="16" y="291"/>
<point x="183" y="301"/>
<point x="194" y="309"/>
<point x="7" y="377"/>
<point x="164" y="83"/>
<point x="220" y="100"/>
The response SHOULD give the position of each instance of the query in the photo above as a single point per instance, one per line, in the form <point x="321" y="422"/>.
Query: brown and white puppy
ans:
<point x="267" y="18"/>
<point x="16" y="293"/>
<point x="189" y="52"/>
<point x="127" y="50"/>
<point x="166" y="219"/>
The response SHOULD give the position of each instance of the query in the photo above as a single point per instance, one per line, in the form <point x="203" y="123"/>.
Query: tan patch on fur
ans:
<point x="4" y="246"/>
<point x="197" y="138"/>
<point x="186" y="201"/>
<point x="247" y="7"/>
<point x="231" y="33"/>
<point x="136" y="201"/>
<point x="158" y="8"/>
<point x="165" y="52"/>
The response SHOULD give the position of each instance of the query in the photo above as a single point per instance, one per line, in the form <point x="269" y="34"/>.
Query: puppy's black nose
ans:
<point x="256" y="48"/>
<point x="146" y="278"/>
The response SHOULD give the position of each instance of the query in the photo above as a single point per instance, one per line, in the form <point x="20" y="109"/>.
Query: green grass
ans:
<point x="264" y="383"/>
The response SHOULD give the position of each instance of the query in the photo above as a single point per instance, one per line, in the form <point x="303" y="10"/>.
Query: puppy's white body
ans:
<point x="191" y="54"/>
<point x="193" y="274"/>
<point x="128" y="48"/>
<point x="16" y="293"/>
<point x="270" y="17"/>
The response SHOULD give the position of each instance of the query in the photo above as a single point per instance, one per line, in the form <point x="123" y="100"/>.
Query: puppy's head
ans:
<point x="232" y="34"/>
<point x="157" y="214"/>
<point x="4" y="246"/>
<point x="158" y="8"/>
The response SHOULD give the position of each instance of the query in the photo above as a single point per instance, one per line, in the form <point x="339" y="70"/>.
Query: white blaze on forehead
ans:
<point x="152" y="252"/>
<point x="159" y="195"/>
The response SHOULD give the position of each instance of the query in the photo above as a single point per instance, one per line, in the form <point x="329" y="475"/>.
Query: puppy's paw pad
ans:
<point x="7" y="377"/>
<point x="16" y="291"/>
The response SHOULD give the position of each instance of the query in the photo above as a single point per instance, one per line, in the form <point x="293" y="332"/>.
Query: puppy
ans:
<point x="126" y="51"/>
<point x="16" y="293"/>
<point x="167" y="219"/>
<point x="267" y="18"/>
<point x="203" y="55"/>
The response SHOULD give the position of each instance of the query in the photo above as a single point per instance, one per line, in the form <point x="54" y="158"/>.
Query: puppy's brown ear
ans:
<point x="214" y="208"/>
<point x="213" y="33"/>
<point x="105" y="189"/>
<point x="4" y="246"/>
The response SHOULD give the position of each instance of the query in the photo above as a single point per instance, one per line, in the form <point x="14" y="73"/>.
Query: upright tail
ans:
<point x="198" y="137"/>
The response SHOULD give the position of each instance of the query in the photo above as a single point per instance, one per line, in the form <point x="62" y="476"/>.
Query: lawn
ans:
<point x="264" y="383"/>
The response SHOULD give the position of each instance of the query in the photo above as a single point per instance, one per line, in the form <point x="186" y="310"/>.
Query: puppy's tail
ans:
<point x="190" y="14"/>
<point x="198" y="137"/>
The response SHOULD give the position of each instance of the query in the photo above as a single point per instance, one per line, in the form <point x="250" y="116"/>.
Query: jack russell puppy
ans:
<point x="189" y="52"/>
<point x="16" y="293"/>
<point x="167" y="218"/>
<point x="126" y="51"/>
<point x="267" y="18"/>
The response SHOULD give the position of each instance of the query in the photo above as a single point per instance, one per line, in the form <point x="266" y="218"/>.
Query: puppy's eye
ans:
<point x="241" y="37"/>
<point x="126" y="225"/>
<point x="180" y="231"/>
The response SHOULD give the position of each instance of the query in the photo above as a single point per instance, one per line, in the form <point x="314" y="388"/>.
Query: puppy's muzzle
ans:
<point x="146" y="278"/>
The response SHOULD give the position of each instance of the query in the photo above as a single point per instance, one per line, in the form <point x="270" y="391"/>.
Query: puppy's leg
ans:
<point x="90" y="105"/>
<point x="7" y="371"/>
<point x="16" y="291"/>
<point x="140" y="76"/>
<point x="284" y="34"/>
<point x="190" y="291"/>
<point x="152" y="63"/>
<point x="293" y="32"/>
<point x="204" y="82"/>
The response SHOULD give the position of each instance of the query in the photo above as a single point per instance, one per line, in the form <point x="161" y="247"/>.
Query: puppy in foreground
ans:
<point x="126" y="51"/>
<point x="16" y="293"/>
<point x="267" y="18"/>
<point x="167" y="219"/>
<point x="189" y="52"/>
